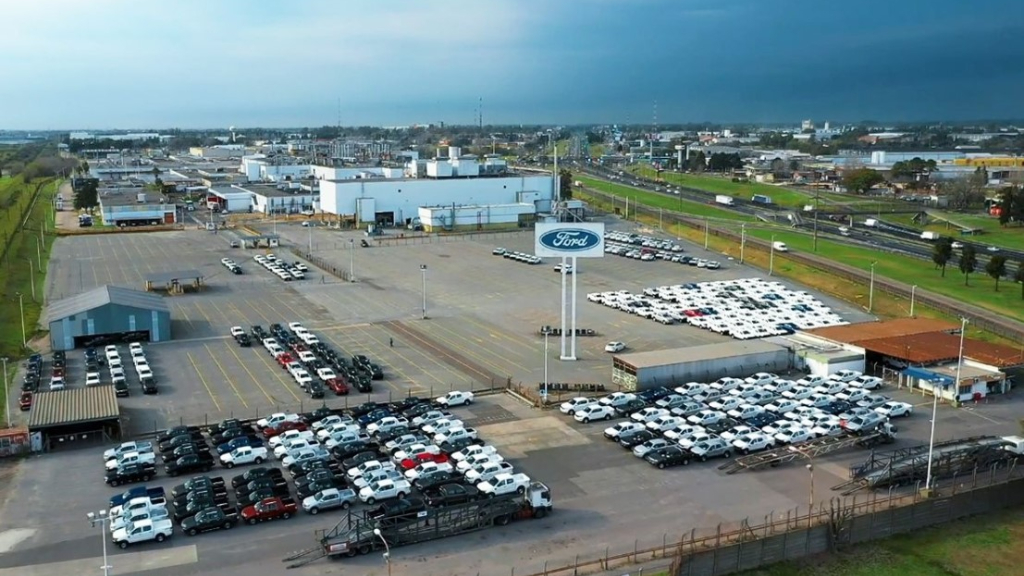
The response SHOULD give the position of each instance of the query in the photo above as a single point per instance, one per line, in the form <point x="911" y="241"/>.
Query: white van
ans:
<point x="780" y="247"/>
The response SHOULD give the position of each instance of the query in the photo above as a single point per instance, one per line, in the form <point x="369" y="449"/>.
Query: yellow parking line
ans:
<point x="276" y="370"/>
<point x="247" y="371"/>
<point x="384" y="362"/>
<point x="181" y="310"/>
<point x="466" y="350"/>
<point x="256" y="308"/>
<point x="402" y="356"/>
<point x="298" y="315"/>
<point x="226" y="377"/>
<point x="203" y="313"/>
<point x="519" y="341"/>
<point x="203" y="380"/>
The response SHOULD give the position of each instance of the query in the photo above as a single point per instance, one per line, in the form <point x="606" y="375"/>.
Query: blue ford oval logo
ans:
<point x="570" y="240"/>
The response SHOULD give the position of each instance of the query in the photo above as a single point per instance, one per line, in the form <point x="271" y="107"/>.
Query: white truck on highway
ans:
<point x="725" y="200"/>
<point x="929" y="235"/>
<point x="143" y="531"/>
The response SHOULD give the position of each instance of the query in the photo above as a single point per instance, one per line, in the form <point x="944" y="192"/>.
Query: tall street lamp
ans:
<point x="31" y="277"/>
<point x="544" y="392"/>
<point x="387" y="549"/>
<point x="21" y="306"/>
<point x="7" y="390"/>
<point x="771" y="257"/>
<point x="743" y="240"/>
<point x="913" y="292"/>
<point x="810" y="500"/>
<point x="423" y="270"/>
<point x="871" y="288"/>
<point x="351" y="260"/>
<point x="935" y="403"/>
<point x="102" y="519"/>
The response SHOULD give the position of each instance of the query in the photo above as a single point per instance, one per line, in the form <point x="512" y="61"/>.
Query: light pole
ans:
<point x="351" y="260"/>
<point x="810" y="500"/>
<point x="310" y="227"/>
<point x="935" y="404"/>
<point x="102" y="519"/>
<point x="387" y="549"/>
<point x="7" y="400"/>
<point x="743" y="240"/>
<point x="913" y="290"/>
<point x="544" y="392"/>
<point x="21" y="306"/>
<point x="423" y="270"/>
<point x="706" y="226"/>
<point x="871" y="288"/>
<point x="31" y="277"/>
<point x="817" y="194"/>
<point x="771" y="257"/>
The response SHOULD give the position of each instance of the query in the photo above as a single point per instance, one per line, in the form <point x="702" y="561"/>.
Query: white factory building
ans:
<point x="455" y="193"/>
<point x="259" y="168"/>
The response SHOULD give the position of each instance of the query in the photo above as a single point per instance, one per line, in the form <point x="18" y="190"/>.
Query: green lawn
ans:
<point x="980" y="292"/>
<point x="661" y="201"/>
<point x="1011" y="237"/>
<point x="984" y="546"/>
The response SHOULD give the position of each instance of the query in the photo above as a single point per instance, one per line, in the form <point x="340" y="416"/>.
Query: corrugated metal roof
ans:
<point x="167" y="277"/>
<point x="694" y="353"/>
<point x="102" y="296"/>
<point x="854" y="333"/>
<point x="940" y="346"/>
<point x="75" y="406"/>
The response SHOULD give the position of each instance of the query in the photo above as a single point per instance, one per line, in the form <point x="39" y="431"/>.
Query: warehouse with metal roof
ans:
<point x="642" y="370"/>
<point x="76" y="416"/>
<point x="108" y="315"/>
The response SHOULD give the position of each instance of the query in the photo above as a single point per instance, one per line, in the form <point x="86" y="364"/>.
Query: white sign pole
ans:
<point x="562" y="336"/>
<point x="575" y="272"/>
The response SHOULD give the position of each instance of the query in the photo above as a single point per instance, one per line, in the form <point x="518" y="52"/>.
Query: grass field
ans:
<point x="949" y="223"/>
<point x="661" y="201"/>
<point x="22" y="247"/>
<point x="985" y="546"/>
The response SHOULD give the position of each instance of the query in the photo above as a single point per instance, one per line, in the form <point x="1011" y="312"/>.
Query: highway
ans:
<point x="885" y="237"/>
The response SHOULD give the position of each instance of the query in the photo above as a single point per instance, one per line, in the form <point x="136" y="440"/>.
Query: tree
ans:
<point x="942" y="253"/>
<point x="861" y="179"/>
<point x="565" y="185"/>
<point x="698" y="162"/>
<point x="996" y="268"/>
<point x="964" y="193"/>
<point x="721" y="162"/>
<point x="968" y="262"/>
<point x="794" y="165"/>
<point x="87" y="194"/>
<point x="1018" y="277"/>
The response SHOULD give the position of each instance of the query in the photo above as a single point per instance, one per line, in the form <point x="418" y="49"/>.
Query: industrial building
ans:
<point x="260" y="168"/>
<point x="739" y="358"/>
<point x="108" y="314"/>
<point x="285" y="198"/>
<point x="135" y="207"/>
<point x="68" y="418"/>
<point x="818" y="357"/>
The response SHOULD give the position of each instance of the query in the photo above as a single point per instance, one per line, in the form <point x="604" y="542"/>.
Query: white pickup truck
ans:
<point x="132" y="458"/>
<point x="488" y="471"/>
<point x="383" y="490"/>
<point x="126" y="447"/>
<point x="143" y="531"/>
<point x="137" y="505"/>
<point x="473" y="451"/>
<point x="244" y="455"/>
<point x="504" y="484"/>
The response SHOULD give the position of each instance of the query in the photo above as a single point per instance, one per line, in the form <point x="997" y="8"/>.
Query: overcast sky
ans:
<point x="215" y="63"/>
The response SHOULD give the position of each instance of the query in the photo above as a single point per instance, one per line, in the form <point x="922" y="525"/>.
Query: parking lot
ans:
<point x="484" y="313"/>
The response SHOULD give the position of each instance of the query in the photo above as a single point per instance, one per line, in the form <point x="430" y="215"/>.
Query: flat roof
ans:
<point x="167" y="277"/>
<point x="102" y="296"/>
<point x="966" y="372"/>
<point x="132" y="199"/>
<point x="861" y="331"/>
<point x="274" y="192"/>
<point x="940" y="347"/>
<point x="75" y="406"/>
<point x="673" y="356"/>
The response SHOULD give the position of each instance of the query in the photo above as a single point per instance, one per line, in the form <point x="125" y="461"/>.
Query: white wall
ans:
<point x="333" y="173"/>
<point x="404" y="197"/>
<point x="472" y="215"/>
<point x="284" y="204"/>
<point x="278" y="173"/>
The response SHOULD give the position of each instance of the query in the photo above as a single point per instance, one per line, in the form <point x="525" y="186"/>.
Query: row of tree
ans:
<point x="1011" y="205"/>
<point x="942" y="255"/>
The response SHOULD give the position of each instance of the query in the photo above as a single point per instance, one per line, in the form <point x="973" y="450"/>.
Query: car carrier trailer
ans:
<point x="810" y="449"/>
<point x="355" y="534"/>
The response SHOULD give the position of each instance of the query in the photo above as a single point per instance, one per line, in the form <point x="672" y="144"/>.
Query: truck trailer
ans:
<point x="356" y="533"/>
<point x="726" y="200"/>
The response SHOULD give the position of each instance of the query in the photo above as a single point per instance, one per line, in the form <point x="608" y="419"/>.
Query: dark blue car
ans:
<point x="374" y="416"/>
<point x="238" y="443"/>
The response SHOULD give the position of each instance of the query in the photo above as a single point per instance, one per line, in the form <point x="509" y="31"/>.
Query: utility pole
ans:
<point x="817" y="194"/>
<point x="743" y="240"/>
<point x="871" y="288"/>
<point x="771" y="257"/>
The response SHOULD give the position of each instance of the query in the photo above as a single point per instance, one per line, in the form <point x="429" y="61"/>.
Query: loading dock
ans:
<point x="176" y="282"/>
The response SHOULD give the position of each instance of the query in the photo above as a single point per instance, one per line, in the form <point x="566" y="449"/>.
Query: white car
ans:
<point x="810" y="381"/>
<point x="689" y="441"/>
<point x="665" y="423"/>
<point x="236" y="331"/>
<point x="782" y="405"/>
<point x="845" y="375"/>
<point x="331" y="421"/>
<point x="893" y="409"/>
<point x="829" y="427"/>
<point x="92" y="379"/>
<point x="794" y="434"/>
<point x="376" y="476"/>
<point x="780" y="426"/>
<point x="779" y="386"/>
<point x="761" y="378"/>
<point x="277" y="418"/>
<point x="414" y="451"/>
<point x="853" y="395"/>
<point x="616" y="399"/>
<point x="326" y="374"/>
<point x="384" y="490"/>
<point x="368" y="467"/>
<point x="830" y="387"/>
<point x="144" y="372"/>
<point x="293" y="446"/>
<point x="442" y="426"/>
<point x="614" y="432"/>
<point x="726" y="403"/>
<point x="746" y="411"/>
<point x="753" y="441"/>
<point x="615" y="347"/>
<point x="649" y="414"/>
<point x="474" y="450"/>
<point x="456" y="398"/>
<point x="653" y="444"/>
<point x="571" y="406"/>
<point x="678" y="433"/>
<point x="386" y="423"/>
<point x="504" y="484"/>
<point x="866" y="382"/>
<point x="477" y="460"/>
<point x="799" y="393"/>
<point x="126" y="447"/>
<point x="594" y="412"/>
<point x="430" y="467"/>
<point x="290" y="435"/>
<point x="429" y="418"/>
<point x="337" y="429"/>
<point x="737" y="431"/>
<point x="726" y="384"/>
<point x="706" y="417"/>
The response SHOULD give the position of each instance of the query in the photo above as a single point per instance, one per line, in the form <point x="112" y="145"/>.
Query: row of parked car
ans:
<point x="653" y="254"/>
<point x="286" y="271"/>
<point x="304" y="355"/>
<point x="517" y="256"/>
<point x="231" y="265"/>
<point x="733" y="415"/>
<point x="375" y="453"/>
<point x="744" y="308"/>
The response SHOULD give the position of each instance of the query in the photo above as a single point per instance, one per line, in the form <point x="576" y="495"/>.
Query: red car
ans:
<point x="692" y="313"/>
<point x="298" y="347"/>
<point x="25" y="402"/>
<point x="410" y="463"/>
<point x="282" y="427"/>
<point x="284" y="359"/>
<point x="338" y="386"/>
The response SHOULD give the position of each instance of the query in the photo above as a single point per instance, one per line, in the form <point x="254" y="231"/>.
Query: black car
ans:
<point x="669" y="456"/>
<point x="362" y="383"/>
<point x="417" y="410"/>
<point x="239" y="442"/>
<point x="186" y="450"/>
<point x="121" y="389"/>
<point x="629" y="407"/>
<point x="319" y="414"/>
<point x="179" y="431"/>
<point x="299" y="470"/>
<point x="452" y="494"/>
<point x="276" y="483"/>
<point x="315" y="390"/>
<point x="365" y="408"/>
<point x="254" y="473"/>
<point x="181" y="440"/>
<point x="195" y="506"/>
<point x="318" y="475"/>
<point x="637" y="438"/>
<point x="306" y="490"/>
<point x="352" y="462"/>
<point x="191" y="463"/>
<point x="226" y="436"/>
<point x="763" y="419"/>
<point x="373" y="416"/>
<point x="405" y="403"/>
<point x="250" y="498"/>
<point x="432" y="480"/>
<point x="148" y="385"/>
<point x="376" y="372"/>
<point x="838" y="407"/>
<point x="652" y="395"/>
<point x="397" y="509"/>
<point x="724" y="424"/>
<point x="258" y="333"/>
<point x="226" y="425"/>
<point x="197" y="483"/>
<point x="452" y="446"/>
<point x="92" y="365"/>
<point x="129" y="474"/>
<point x="343" y="452"/>
<point x="391" y="433"/>
<point x="207" y="520"/>
<point x="218" y="494"/>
